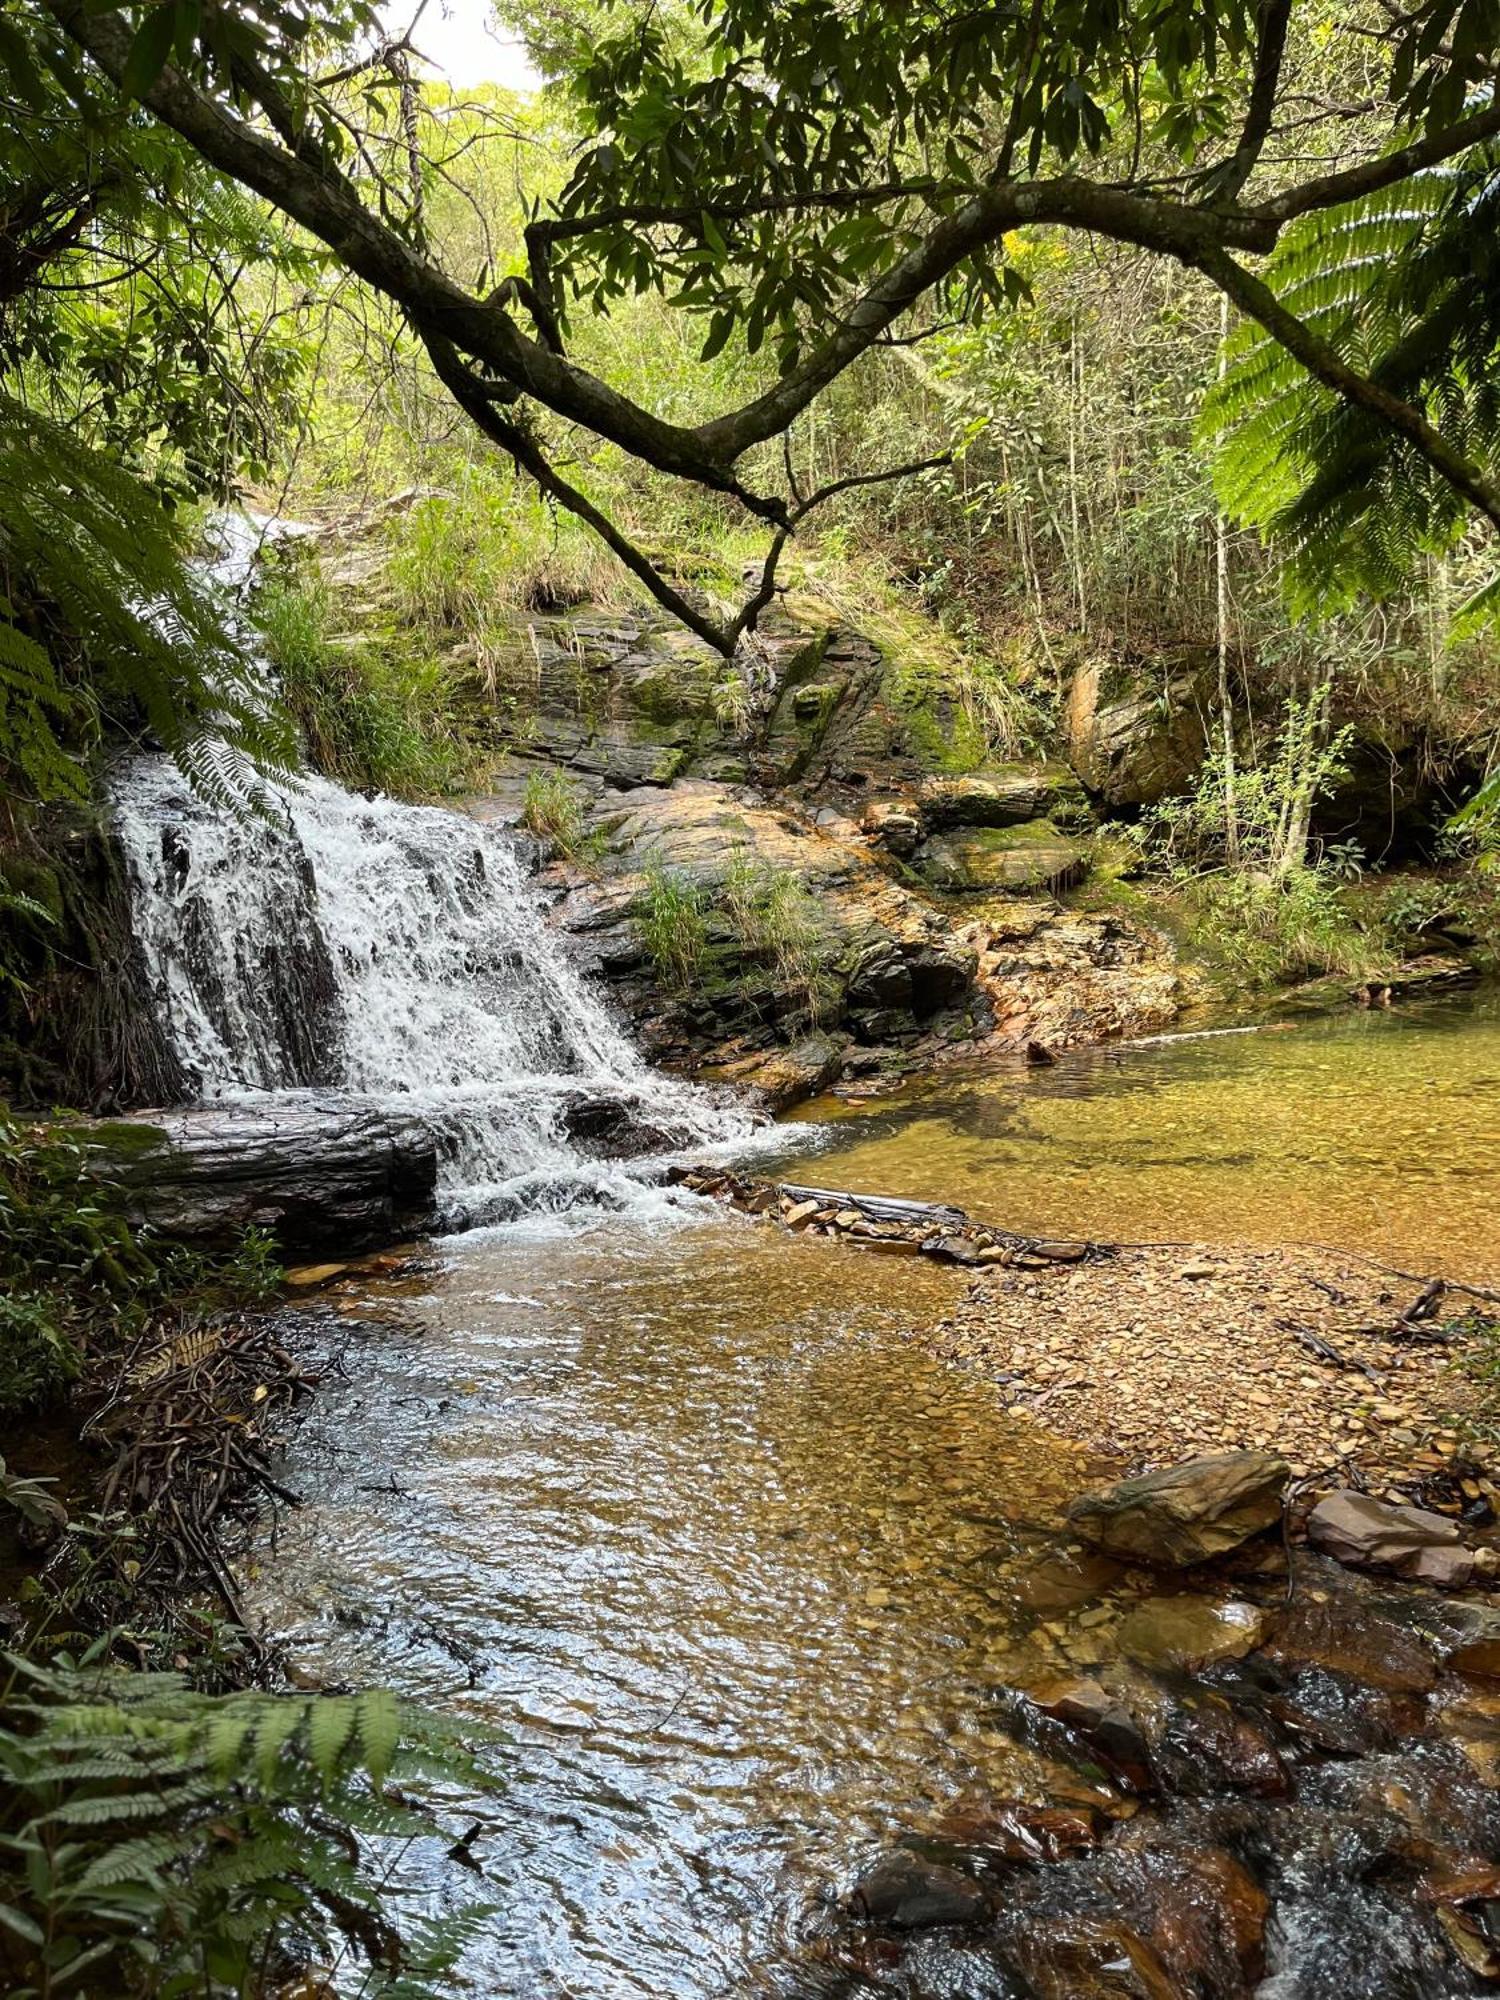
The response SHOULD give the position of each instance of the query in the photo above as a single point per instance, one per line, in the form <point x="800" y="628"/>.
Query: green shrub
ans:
<point x="671" y="920"/>
<point x="553" y="807"/>
<point x="376" y="719"/>
<point x="1278" y="931"/>
<point x="461" y="560"/>
<point x="73" y="1270"/>
<point x="156" y="1841"/>
<point x="39" y="1356"/>
<point x="774" y="918"/>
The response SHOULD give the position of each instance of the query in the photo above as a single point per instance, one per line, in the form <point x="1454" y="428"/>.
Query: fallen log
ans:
<point x="884" y="1222"/>
<point x="878" y="1207"/>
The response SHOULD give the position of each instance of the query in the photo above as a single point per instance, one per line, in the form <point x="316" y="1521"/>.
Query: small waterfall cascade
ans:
<point x="395" y="953"/>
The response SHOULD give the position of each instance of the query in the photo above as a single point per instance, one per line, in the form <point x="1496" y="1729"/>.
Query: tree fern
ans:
<point x="149" y="1832"/>
<point x="1405" y="285"/>
<point x="92" y="574"/>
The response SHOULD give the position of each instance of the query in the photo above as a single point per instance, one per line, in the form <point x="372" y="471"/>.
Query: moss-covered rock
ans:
<point x="1138" y="733"/>
<point x="1017" y="860"/>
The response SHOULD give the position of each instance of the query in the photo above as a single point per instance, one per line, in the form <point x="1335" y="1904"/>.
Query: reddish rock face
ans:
<point x="1407" y="1541"/>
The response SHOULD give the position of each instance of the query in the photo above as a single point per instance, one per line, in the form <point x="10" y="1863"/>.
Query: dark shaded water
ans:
<point x="739" y="1571"/>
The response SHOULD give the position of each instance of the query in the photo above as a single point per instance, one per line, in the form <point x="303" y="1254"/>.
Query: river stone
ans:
<point x="1185" y="1514"/>
<point x="1016" y="860"/>
<point x="1107" y="1727"/>
<point x="1335" y="1624"/>
<point x="1377" y="1534"/>
<point x="892" y="824"/>
<point x="1085" y="1958"/>
<point x="906" y="1892"/>
<point x="803" y="1070"/>
<point x="1209" y="1746"/>
<point x="1187" y="1633"/>
<point x="1477" y="1650"/>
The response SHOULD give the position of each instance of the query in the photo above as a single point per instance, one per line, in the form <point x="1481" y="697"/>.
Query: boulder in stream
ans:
<point x="1407" y="1541"/>
<point x="905" y="1891"/>
<point x="1185" y="1514"/>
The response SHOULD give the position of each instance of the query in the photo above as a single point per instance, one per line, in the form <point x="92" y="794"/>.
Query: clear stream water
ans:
<point x="739" y="1572"/>
<point x="666" y="1497"/>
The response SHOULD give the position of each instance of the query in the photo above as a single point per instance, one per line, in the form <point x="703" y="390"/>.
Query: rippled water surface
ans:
<point x="732" y="1564"/>
<point x="1375" y="1131"/>
<point x="735" y="1567"/>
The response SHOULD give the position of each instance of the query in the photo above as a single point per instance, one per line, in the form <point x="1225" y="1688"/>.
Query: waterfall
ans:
<point x="397" y="954"/>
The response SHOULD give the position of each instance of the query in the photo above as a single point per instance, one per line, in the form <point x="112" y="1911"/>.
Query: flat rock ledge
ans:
<point x="319" y="1171"/>
<point x="316" y="1173"/>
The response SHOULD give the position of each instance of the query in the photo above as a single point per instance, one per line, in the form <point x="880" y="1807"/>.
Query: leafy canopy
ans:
<point x="819" y="180"/>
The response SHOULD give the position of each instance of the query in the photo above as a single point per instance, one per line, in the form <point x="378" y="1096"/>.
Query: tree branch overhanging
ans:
<point x="1229" y="180"/>
<point x="501" y="363"/>
<point x="1253" y="296"/>
<point x="478" y="403"/>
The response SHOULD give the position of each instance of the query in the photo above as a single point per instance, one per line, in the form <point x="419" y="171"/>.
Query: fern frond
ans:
<point x="93" y="572"/>
<point x="1401" y="285"/>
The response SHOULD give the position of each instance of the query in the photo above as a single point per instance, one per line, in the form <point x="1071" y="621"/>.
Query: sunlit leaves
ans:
<point x="1405" y="285"/>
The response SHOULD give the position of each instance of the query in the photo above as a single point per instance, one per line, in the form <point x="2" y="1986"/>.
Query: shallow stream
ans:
<point x="739" y="1571"/>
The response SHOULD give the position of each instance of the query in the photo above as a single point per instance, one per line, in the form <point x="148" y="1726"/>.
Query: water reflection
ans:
<point x="1372" y="1131"/>
<point x="736" y="1568"/>
<point x="731" y="1564"/>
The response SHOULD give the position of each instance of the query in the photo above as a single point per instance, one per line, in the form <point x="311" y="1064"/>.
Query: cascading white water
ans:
<point x="394" y="952"/>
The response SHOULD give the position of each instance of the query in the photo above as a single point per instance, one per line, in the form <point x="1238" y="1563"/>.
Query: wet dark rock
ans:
<point x="316" y="1173"/>
<point x="1187" y="1513"/>
<point x="1013" y="1830"/>
<point x="1327" y="1713"/>
<point x="1345" y="1633"/>
<point x="807" y="1068"/>
<point x="880" y="978"/>
<point x="1208" y="1919"/>
<point x="1088" y="1958"/>
<point x="905" y="1891"/>
<point x="1407" y="1541"/>
<point x="1210" y="1746"/>
<point x="1476" y="1649"/>
<point x="1112" y="1735"/>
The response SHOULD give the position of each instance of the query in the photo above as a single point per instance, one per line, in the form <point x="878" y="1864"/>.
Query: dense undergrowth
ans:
<point x="164" y="1828"/>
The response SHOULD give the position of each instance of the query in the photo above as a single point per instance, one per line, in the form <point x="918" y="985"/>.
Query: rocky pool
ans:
<point x="746" y="1579"/>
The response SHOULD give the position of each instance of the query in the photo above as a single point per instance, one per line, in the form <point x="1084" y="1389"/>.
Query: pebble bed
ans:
<point x="1161" y="1353"/>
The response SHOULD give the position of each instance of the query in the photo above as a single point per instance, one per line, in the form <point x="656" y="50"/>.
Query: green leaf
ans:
<point x="719" y="329"/>
<point x="330" y="1725"/>
<point x="23" y="1926"/>
<point x="149" y="50"/>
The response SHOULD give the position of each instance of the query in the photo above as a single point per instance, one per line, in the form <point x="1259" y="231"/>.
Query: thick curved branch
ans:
<point x="518" y="443"/>
<point x="296" y="179"/>
<point x="1151" y="223"/>
<point x="1332" y="190"/>
<point x="804" y="507"/>
<point x="1270" y="51"/>
<point x="1256" y="298"/>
